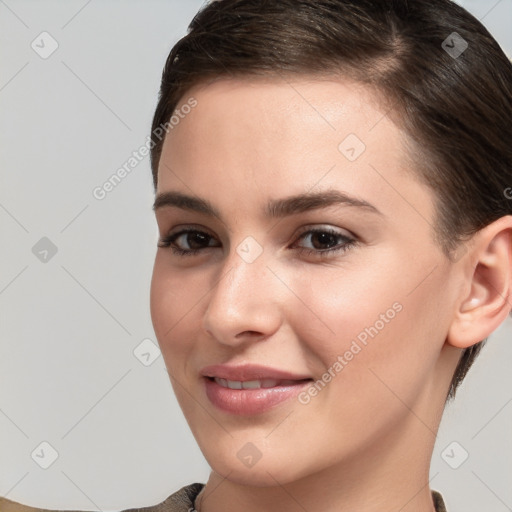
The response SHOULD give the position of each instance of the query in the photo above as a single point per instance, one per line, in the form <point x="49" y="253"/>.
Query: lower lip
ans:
<point x="246" y="402"/>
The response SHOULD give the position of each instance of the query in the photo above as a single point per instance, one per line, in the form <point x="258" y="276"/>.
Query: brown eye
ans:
<point x="187" y="241"/>
<point x="322" y="241"/>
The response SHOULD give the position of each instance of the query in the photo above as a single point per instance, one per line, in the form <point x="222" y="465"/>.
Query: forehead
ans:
<point x="268" y="138"/>
<point x="282" y="120"/>
<point x="329" y="104"/>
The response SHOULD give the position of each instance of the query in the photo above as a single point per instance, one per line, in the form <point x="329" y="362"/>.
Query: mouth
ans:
<point x="251" y="389"/>
<point x="256" y="384"/>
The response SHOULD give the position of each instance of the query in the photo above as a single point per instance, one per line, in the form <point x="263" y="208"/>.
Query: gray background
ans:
<point x="69" y="325"/>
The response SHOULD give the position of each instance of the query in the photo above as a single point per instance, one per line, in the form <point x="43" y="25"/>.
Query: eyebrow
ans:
<point x="275" y="207"/>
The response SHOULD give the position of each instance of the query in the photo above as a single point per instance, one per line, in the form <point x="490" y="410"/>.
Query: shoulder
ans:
<point x="180" y="501"/>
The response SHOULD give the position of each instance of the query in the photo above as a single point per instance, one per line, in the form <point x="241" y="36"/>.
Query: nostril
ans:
<point x="251" y="334"/>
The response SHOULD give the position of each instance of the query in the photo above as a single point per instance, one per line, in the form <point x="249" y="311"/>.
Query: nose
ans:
<point x="244" y="301"/>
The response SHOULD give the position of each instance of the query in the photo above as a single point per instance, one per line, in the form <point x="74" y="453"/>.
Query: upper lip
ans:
<point x="249" y="372"/>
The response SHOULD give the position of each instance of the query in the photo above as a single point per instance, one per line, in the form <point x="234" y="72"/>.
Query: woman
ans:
<point x="333" y="199"/>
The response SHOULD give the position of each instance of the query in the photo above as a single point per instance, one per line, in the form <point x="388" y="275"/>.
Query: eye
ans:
<point x="322" y="242"/>
<point x="325" y="241"/>
<point x="187" y="241"/>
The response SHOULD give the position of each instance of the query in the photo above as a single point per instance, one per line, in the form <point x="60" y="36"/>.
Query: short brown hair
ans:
<point x="454" y="101"/>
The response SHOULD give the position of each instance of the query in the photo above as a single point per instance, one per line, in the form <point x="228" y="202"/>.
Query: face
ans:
<point x="342" y="287"/>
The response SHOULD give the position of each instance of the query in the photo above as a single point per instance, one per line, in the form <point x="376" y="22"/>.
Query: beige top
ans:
<point x="180" y="501"/>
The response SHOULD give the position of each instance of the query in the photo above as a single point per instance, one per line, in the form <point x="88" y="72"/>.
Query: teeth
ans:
<point x="253" y="384"/>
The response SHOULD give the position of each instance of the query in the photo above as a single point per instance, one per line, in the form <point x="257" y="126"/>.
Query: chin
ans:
<point x="260" y="475"/>
<point x="239" y="463"/>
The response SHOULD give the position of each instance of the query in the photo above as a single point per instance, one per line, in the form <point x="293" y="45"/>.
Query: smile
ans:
<point x="254" y="384"/>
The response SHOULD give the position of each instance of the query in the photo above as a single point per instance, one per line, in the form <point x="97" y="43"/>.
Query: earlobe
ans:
<point x="489" y="299"/>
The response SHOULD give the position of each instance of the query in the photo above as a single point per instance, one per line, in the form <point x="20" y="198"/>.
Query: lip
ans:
<point x="249" y="372"/>
<point x="247" y="402"/>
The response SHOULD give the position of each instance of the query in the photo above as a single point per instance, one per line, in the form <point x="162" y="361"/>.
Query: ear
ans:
<point x="487" y="295"/>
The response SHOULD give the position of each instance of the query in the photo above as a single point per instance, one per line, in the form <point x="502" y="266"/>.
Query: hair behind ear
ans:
<point x="465" y="362"/>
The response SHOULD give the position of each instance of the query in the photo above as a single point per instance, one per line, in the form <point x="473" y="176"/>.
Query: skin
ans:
<point x="365" y="441"/>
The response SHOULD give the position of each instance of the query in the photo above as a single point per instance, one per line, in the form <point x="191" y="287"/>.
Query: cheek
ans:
<point x="174" y="296"/>
<point x="365" y="329"/>
<point x="344" y="305"/>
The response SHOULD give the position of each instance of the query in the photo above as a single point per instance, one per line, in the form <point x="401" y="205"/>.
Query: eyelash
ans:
<point x="167" y="241"/>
